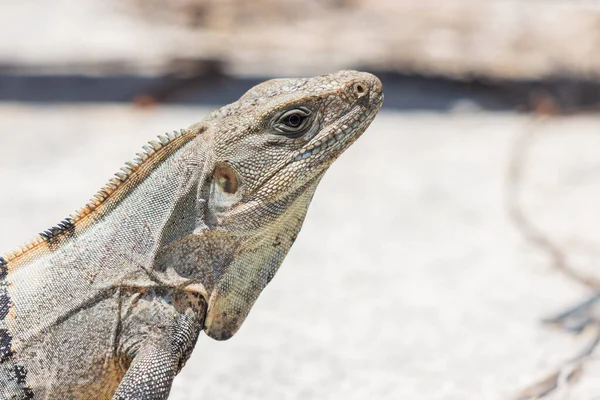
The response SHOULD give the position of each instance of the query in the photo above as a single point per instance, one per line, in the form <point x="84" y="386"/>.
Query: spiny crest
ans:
<point x="3" y="269"/>
<point x="52" y="236"/>
<point x="66" y="227"/>
<point x="126" y="171"/>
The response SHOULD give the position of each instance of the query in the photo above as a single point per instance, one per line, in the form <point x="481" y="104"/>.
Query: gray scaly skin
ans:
<point x="109" y="303"/>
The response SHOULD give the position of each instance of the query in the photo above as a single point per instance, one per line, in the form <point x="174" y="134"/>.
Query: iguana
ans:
<point x="110" y="302"/>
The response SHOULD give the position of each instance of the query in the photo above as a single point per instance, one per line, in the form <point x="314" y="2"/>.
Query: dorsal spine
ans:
<point x="67" y="226"/>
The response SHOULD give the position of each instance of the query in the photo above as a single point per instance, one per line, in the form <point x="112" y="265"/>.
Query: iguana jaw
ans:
<point x="271" y="210"/>
<point x="331" y="142"/>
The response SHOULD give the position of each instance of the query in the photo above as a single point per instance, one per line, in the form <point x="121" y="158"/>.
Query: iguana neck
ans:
<point x="111" y="202"/>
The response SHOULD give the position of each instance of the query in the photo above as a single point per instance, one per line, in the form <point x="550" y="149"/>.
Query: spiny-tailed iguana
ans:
<point x="109" y="303"/>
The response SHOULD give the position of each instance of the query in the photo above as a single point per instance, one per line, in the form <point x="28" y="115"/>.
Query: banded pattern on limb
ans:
<point x="110" y="302"/>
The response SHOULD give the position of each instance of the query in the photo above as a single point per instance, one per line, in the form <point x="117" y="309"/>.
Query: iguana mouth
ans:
<point x="348" y="129"/>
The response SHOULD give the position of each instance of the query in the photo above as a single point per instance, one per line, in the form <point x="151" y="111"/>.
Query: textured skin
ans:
<point x="109" y="303"/>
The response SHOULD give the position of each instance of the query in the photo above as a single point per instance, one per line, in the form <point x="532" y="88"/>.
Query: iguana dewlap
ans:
<point x="109" y="303"/>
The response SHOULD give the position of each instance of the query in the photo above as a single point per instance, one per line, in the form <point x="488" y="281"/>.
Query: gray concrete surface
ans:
<point x="407" y="281"/>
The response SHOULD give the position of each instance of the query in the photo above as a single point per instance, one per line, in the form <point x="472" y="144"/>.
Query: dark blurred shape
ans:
<point x="205" y="82"/>
<point x="187" y="76"/>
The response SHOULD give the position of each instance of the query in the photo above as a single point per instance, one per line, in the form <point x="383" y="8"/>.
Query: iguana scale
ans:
<point x="110" y="302"/>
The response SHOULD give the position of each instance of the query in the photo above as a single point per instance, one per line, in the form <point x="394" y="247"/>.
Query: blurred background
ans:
<point x="434" y="249"/>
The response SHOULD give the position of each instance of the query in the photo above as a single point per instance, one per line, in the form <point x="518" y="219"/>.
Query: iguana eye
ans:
<point x="293" y="123"/>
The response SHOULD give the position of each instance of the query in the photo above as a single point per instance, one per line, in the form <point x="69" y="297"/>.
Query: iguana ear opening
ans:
<point x="226" y="178"/>
<point x="226" y="188"/>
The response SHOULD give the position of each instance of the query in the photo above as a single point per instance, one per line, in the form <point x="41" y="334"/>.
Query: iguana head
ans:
<point x="271" y="149"/>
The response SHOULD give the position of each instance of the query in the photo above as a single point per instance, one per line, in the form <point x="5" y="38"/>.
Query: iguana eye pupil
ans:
<point x="293" y="120"/>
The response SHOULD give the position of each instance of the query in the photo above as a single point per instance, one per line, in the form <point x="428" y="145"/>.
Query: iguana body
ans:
<point x="109" y="303"/>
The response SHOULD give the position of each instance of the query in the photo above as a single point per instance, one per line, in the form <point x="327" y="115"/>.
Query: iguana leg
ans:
<point x="150" y="375"/>
<point x="158" y="338"/>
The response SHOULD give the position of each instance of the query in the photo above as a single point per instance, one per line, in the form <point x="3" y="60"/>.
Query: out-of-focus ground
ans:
<point x="433" y="248"/>
<point x="408" y="281"/>
<point x="461" y="38"/>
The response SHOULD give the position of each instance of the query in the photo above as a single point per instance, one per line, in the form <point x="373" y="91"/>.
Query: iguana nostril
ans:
<point x="360" y="89"/>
